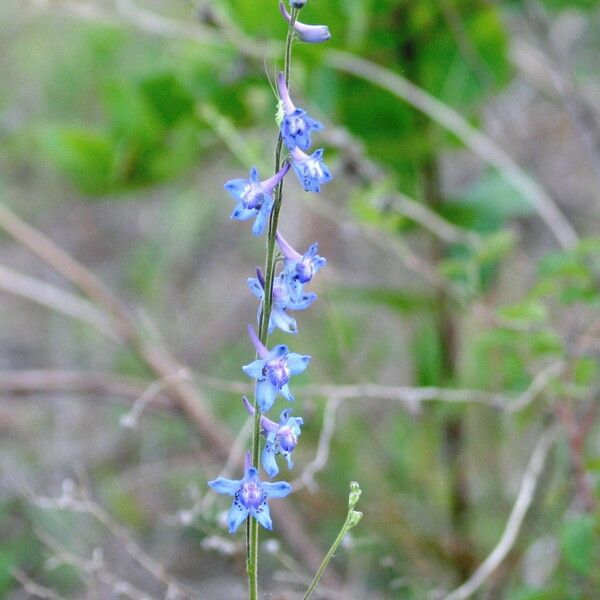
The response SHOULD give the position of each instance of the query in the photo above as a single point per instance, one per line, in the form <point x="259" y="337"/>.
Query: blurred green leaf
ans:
<point x="494" y="201"/>
<point x="577" y="541"/>
<point x="86" y="156"/>
<point x="428" y="355"/>
<point x="528" y="311"/>
<point x="395" y="300"/>
<point x="169" y="99"/>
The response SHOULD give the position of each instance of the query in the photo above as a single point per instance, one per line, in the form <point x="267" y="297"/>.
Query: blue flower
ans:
<point x="254" y="197"/>
<point x="313" y="34"/>
<point x="272" y="371"/>
<point x="284" y="299"/>
<point x="311" y="170"/>
<point x="296" y="124"/>
<point x="250" y="496"/>
<point x="300" y="268"/>
<point x="282" y="438"/>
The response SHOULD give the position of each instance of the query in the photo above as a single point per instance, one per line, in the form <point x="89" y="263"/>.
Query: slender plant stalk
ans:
<point x="352" y="518"/>
<point x="252" y="523"/>
<point x="328" y="557"/>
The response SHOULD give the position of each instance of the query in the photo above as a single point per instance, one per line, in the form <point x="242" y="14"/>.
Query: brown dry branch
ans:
<point x="81" y="382"/>
<point x="78" y="499"/>
<point x="529" y="484"/>
<point x="93" y="568"/>
<point x="159" y="360"/>
<point x="33" y="588"/>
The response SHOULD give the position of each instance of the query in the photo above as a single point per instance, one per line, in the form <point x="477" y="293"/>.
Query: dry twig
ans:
<point x="515" y="520"/>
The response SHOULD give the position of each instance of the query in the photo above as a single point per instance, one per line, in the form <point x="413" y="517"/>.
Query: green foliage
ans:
<point x="579" y="544"/>
<point x="395" y="300"/>
<point x="87" y="156"/>
<point x="571" y="275"/>
<point x="428" y="355"/>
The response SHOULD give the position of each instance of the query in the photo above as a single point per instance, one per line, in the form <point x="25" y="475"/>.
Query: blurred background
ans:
<point x="455" y="340"/>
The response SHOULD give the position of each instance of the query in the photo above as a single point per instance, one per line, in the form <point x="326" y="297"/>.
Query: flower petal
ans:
<point x="260" y="223"/>
<point x="254" y="176"/>
<point x="284" y="321"/>
<point x="254" y="369"/>
<point x="255" y="287"/>
<point x="242" y="214"/>
<point x="285" y="392"/>
<point x="225" y="486"/>
<point x="288" y="458"/>
<point x="304" y="301"/>
<point x="277" y="352"/>
<point x="267" y="460"/>
<point x="318" y="263"/>
<point x="279" y="489"/>
<point x="266" y="393"/>
<point x="237" y="515"/>
<point x="297" y="363"/>
<point x="236" y="187"/>
<point x="262" y="515"/>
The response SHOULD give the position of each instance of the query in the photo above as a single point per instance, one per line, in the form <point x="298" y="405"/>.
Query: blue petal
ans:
<point x="254" y="177"/>
<point x="285" y="392"/>
<point x="313" y="123"/>
<point x="296" y="288"/>
<point x="304" y="301"/>
<point x="284" y="321"/>
<point x="255" y="287"/>
<point x="297" y="363"/>
<point x="237" y="515"/>
<point x="251" y="475"/>
<point x="277" y="352"/>
<point x="288" y="138"/>
<point x="317" y="154"/>
<point x="303" y="139"/>
<point x="225" y="486"/>
<point x="279" y="489"/>
<point x="262" y="515"/>
<point x="236" y="187"/>
<point x="268" y="462"/>
<point x="254" y="369"/>
<point x="318" y="263"/>
<point x="312" y="251"/>
<point x="260" y="223"/>
<point x="288" y="458"/>
<point x="271" y="325"/>
<point x="327" y="176"/>
<point x="285" y="416"/>
<point x="266" y="393"/>
<point x="242" y="214"/>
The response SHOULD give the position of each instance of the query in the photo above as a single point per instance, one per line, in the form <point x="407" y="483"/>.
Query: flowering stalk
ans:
<point x="252" y="531"/>
<point x="273" y="367"/>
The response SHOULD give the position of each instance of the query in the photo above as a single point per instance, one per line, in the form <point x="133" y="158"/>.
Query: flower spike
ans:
<point x="313" y="34"/>
<point x="250" y="496"/>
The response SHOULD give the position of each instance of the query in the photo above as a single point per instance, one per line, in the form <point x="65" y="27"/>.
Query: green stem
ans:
<point x="252" y="524"/>
<point x="330" y="553"/>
